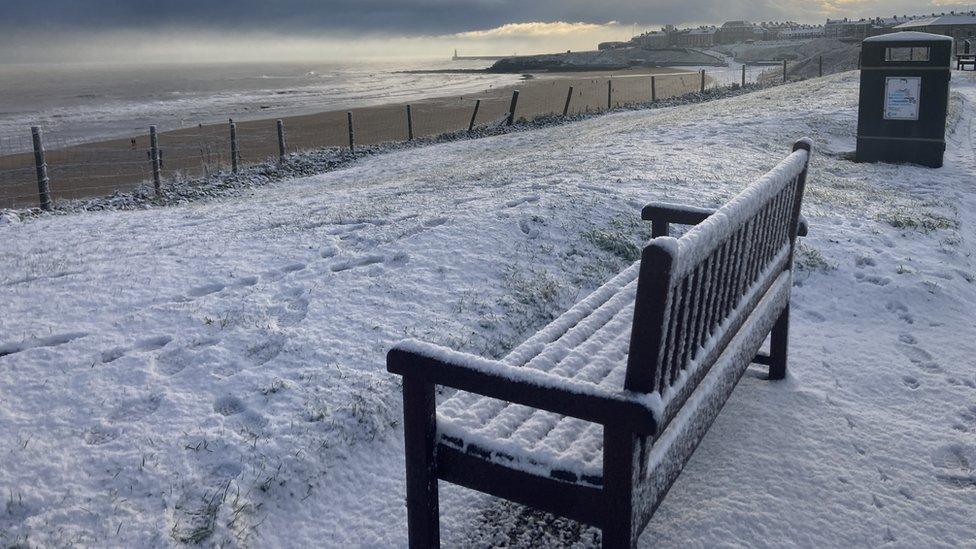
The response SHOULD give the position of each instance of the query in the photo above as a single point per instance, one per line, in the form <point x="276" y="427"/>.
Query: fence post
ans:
<point x="820" y="67"/>
<point x="784" y="71"/>
<point x="409" y="124"/>
<point x="703" y="81"/>
<point x="352" y="133"/>
<point x="154" y="157"/>
<point x="743" y="75"/>
<point x="281" y="142"/>
<point x="511" y="108"/>
<point x="569" y="96"/>
<point x="40" y="165"/>
<point x="609" y="94"/>
<point x="474" y="115"/>
<point x="234" y="152"/>
<point x="653" y="89"/>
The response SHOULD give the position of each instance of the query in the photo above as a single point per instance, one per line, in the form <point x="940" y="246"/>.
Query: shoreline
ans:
<point x="104" y="166"/>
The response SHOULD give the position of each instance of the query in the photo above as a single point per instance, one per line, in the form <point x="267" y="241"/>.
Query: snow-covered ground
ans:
<point x="215" y="372"/>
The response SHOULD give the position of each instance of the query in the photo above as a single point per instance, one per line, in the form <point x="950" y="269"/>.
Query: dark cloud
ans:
<point x="59" y="30"/>
<point x="406" y="17"/>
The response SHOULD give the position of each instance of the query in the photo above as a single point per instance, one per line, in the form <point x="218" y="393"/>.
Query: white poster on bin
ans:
<point x="901" y="97"/>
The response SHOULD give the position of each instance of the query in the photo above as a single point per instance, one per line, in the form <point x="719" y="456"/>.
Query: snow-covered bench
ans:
<point x="594" y="417"/>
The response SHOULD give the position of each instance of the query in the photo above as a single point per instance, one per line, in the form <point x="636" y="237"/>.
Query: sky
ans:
<point x="182" y="30"/>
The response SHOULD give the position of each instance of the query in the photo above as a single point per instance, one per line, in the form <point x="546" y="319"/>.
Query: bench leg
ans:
<point x="618" y="485"/>
<point x="419" y="430"/>
<point x="778" y="345"/>
<point x="659" y="227"/>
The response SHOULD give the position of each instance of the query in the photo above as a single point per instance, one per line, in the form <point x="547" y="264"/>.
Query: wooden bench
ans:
<point x="594" y="417"/>
<point x="963" y="59"/>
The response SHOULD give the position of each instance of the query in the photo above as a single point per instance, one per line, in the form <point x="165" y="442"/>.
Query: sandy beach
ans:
<point x="100" y="168"/>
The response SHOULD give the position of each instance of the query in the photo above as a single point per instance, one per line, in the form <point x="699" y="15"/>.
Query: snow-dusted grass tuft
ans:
<point x="809" y="259"/>
<point x="916" y="219"/>
<point x="623" y="238"/>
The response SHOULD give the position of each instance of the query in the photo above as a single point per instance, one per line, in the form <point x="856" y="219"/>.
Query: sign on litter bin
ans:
<point x="901" y="97"/>
<point x="904" y="98"/>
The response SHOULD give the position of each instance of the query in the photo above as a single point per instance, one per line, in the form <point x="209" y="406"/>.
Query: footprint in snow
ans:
<point x="50" y="341"/>
<point x="907" y="339"/>
<point x="436" y="222"/>
<point x="145" y="345"/>
<point x="278" y="274"/>
<point x="901" y="310"/>
<point x="527" y="229"/>
<point x="153" y="343"/>
<point x="918" y="356"/>
<point x="206" y="289"/>
<point x="173" y="361"/>
<point x="266" y="350"/>
<point x="328" y="251"/>
<point x="231" y="406"/>
<point x="112" y="355"/>
<point x="967" y="420"/>
<point x="100" y="434"/>
<point x="355" y="262"/>
<point x="228" y="405"/>
<point x="956" y="465"/>
<point x="873" y="279"/>
<point x="519" y="201"/>
<point x="137" y="408"/>
<point x="815" y="316"/>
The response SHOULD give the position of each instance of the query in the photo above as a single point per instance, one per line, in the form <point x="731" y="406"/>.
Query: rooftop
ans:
<point x="939" y="20"/>
<point x="909" y="36"/>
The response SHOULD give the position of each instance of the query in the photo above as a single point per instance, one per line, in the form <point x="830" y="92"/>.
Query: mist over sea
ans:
<point x="90" y="102"/>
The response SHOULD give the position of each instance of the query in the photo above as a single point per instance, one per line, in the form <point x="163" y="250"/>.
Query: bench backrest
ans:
<point x="694" y="293"/>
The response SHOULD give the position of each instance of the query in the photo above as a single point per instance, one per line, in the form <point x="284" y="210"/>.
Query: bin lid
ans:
<point x="909" y="36"/>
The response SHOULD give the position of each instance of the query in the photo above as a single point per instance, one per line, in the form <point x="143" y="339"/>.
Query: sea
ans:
<point x="90" y="102"/>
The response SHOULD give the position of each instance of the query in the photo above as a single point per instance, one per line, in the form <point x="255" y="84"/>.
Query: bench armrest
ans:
<point x="661" y="214"/>
<point x="534" y="388"/>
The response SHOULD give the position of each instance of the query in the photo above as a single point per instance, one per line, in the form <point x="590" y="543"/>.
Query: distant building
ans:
<point x="836" y="28"/>
<point x="863" y="28"/>
<point x="774" y="29"/>
<point x="652" y="40"/>
<point x="702" y="37"/>
<point x="801" y="32"/>
<point x="960" y="26"/>
<point x="612" y="45"/>
<point x="733" y="32"/>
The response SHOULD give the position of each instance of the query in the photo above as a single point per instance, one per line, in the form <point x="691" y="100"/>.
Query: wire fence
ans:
<point x="99" y="169"/>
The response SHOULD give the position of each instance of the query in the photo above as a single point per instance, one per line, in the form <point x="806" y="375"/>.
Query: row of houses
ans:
<point x="731" y="32"/>
<point x="960" y="26"/>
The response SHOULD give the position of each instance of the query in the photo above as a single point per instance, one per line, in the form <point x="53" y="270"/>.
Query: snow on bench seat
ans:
<point x="587" y="343"/>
